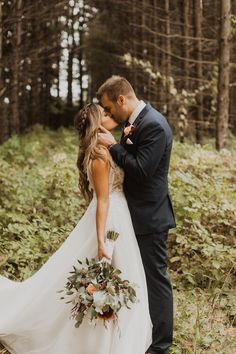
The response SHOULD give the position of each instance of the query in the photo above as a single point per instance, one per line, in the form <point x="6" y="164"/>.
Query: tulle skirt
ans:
<point x="33" y="318"/>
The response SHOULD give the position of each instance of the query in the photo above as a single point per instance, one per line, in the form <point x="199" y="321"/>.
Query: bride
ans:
<point x="33" y="318"/>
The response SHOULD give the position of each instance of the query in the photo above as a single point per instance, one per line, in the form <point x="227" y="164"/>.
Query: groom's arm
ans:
<point x="150" y="150"/>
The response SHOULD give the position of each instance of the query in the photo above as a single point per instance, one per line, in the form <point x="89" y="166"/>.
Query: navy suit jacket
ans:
<point x="146" y="164"/>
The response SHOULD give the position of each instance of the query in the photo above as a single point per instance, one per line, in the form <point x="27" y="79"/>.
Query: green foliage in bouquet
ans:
<point x="97" y="291"/>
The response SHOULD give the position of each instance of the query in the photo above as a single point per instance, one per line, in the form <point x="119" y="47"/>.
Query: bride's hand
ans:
<point x="102" y="253"/>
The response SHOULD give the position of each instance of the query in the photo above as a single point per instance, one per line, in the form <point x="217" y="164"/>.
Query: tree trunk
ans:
<point x="70" y="74"/>
<point x="15" y="121"/>
<point x="80" y="59"/>
<point x="81" y="99"/>
<point x="186" y="43"/>
<point x="143" y="48"/>
<point x="71" y="50"/>
<point x="186" y="66"/>
<point x="1" y="47"/>
<point x="134" y="46"/>
<point x="198" y="33"/>
<point x="223" y="78"/>
<point x="2" y="118"/>
<point x="168" y="58"/>
<point x="58" y="76"/>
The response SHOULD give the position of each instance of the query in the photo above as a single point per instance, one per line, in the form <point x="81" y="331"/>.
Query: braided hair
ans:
<point x="87" y="122"/>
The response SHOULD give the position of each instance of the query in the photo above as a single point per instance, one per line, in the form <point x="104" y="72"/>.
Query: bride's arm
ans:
<point x="100" y="173"/>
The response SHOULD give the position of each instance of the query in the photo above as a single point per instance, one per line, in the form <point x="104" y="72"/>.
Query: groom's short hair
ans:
<point x="114" y="87"/>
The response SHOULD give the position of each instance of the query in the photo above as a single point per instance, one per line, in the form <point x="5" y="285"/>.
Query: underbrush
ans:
<point x="40" y="204"/>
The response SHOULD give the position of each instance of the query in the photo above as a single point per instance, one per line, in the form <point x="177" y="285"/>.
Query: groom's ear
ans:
<point x="121" y="100"/>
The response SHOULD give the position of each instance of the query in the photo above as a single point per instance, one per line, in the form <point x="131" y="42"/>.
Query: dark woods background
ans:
<point x="179" y="55"/>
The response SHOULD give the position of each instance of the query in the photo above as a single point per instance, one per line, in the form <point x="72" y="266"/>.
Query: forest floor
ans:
<point x="41" y="204"/>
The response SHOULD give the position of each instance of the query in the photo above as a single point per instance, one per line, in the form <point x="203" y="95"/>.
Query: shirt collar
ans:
<point x="136" y="112"/>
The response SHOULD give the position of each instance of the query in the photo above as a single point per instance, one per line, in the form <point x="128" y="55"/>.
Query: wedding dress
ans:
<point x="33" y="318"/>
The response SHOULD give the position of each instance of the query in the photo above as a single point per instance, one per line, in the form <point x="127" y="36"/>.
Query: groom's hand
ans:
<point x="105" y="137"/>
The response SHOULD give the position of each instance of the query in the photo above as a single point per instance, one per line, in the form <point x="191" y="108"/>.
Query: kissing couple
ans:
<point x="126" y="185"/>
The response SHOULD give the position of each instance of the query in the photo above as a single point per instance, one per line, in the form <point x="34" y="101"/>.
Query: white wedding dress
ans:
<point x="33" y="318"/>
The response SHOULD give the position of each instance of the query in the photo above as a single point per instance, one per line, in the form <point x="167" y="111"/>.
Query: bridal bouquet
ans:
<point x="97" y="291"/>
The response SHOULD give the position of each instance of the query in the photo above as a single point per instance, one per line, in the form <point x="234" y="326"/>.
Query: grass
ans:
<point x="38" y="175"/>
<point x="202" y="325"/>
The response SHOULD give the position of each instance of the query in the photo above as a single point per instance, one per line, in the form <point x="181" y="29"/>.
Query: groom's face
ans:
<point x="115" y="110"/>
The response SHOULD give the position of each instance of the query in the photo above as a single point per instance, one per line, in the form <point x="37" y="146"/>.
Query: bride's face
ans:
<point x="107" y="122"/>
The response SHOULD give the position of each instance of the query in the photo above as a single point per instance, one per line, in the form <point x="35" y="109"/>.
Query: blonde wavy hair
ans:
<point x="87" y="122"/>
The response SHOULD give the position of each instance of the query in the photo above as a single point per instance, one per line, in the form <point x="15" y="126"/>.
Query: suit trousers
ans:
<point x="153" y="249"/>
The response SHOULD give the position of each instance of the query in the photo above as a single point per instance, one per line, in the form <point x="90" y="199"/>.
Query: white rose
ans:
<point x="99" y="298"/>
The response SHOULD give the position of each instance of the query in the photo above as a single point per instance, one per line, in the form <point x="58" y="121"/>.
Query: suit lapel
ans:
<point x="142" y="114"/>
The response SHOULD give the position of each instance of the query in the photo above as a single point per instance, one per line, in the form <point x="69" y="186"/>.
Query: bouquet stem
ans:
<point x="111" y="237"/>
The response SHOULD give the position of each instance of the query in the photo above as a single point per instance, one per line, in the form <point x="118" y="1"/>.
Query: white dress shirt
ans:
<point x="136" y="112"/>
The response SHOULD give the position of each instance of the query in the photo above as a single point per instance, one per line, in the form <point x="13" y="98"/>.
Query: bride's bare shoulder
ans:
<point x="102" y="159"/>
<point x="100" y="165"/>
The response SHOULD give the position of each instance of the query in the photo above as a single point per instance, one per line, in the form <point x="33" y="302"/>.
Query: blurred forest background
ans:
<point x="181" y="57"/>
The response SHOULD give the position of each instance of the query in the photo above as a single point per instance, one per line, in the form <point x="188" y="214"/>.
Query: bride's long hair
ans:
<point x="87" y="122"/>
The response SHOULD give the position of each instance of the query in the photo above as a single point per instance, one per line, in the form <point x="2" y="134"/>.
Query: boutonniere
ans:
<point x="128" y="131"/>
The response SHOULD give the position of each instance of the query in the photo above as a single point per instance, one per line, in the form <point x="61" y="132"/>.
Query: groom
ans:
<point x="144" y="154"/>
